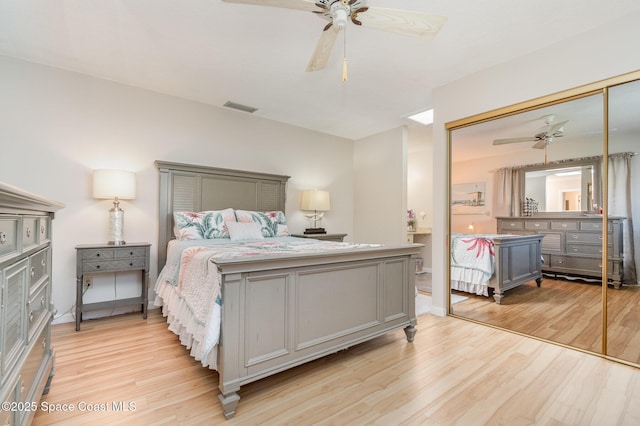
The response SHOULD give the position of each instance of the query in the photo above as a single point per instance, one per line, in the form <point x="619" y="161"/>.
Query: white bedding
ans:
<point x="188" y="286"/>
<point x="472" y="262"/>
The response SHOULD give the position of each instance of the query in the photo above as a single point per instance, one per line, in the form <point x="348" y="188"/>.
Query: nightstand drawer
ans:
<point x="127" y="253"/>
<point x="114" y="265"/>
<point x="98" y="254"/>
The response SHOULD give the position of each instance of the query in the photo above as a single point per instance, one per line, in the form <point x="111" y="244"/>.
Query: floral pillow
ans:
<point x="203" y="225"/>
<point x="272" y="224"/>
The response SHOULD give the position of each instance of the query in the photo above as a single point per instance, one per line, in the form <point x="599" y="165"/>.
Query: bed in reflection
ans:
<point x="491" y="264"/>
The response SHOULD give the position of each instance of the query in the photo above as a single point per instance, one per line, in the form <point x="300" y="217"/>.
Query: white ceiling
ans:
<point x="212" y="52"/>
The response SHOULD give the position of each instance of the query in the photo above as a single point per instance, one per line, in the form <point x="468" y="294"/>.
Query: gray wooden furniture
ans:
<point x="323" y="237"/>
<point x="284" y="310"/>
<point x="93" y="259"/>
<point x="572" y="245"/>
<point x="26" y="355"/>
<point x="517" y="261"/>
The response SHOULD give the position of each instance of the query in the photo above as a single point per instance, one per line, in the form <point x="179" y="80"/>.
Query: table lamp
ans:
<point x="119" y="185"/>
<point x="318" y="201"/>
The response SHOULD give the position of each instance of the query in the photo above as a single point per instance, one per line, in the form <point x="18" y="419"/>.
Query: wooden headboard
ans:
<point x="186" y="187"/>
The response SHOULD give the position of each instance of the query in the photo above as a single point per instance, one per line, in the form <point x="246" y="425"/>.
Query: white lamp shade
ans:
<point x="114" y="183"/>
<point x="315" y="200"/>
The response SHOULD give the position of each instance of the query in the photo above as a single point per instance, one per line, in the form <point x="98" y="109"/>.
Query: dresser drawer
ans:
<point x="591" y="225"/>
<point x="114" y="265"/>
<point x="98" y="254"/>
<point x="536" y="225"/>
<point x="29" y="233"/>
<point x="39" y="266"/>
<point x="567" y="225"/>
<point x="584" y="265"/>
<point x="584" y="249"/>
<point x="509" y="225"/>
<point x="37" y="308"/>
<point x="584" y="237"/>
<point x="32" y="363"/>
<point x="44" y="229"/>
<point x="8" y="237"/>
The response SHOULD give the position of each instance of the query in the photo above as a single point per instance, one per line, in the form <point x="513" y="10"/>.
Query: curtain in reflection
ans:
<point x="506" y="192"/>
<point x="619" y="188"/>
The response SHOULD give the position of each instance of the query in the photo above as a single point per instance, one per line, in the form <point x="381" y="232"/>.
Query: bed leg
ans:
<point x="498" y="298"/>
<point x="410" y="332"/>
<point x="538" y="281"/>
<point x="229" y="404"/>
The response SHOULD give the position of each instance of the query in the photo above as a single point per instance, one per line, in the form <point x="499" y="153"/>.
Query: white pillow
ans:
<point x="244" y="231"/>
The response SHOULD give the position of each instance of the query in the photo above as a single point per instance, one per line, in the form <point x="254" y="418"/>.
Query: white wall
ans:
<point x="380" y="167"/>
<point x="420" y="184"/>
<point x="596" y="55"/>
<point x="57" y="126"/>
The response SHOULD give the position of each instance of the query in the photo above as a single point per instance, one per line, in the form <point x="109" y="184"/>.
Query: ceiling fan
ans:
<point x="548" y="134"/>
<point x="338" y="12"/>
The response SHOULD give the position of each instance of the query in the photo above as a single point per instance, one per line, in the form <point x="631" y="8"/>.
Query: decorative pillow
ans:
<point x="272" y="224"/>
<point x="244" y="231"/>
<point x="203" y="225"/>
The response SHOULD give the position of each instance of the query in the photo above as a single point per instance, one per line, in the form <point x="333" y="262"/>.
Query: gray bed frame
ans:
<point x="285" y="310"/>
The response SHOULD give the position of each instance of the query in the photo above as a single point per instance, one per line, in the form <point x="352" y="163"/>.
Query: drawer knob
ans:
<point x="30" y="316"/>
<point x="97" y="254"/>
<point x="512" y="224"/>
<point x="43" y="263"/>
<point x="575" y="249"/>
<point x="130" y="263"/>
<point x="3" y="238"/>
<point x="560" y="261"/>
<point x="130" y="253"/>
<point x="537" y="225"/>
<point x="33" y="271"/>
<point x="575" y="236"/>
<point x="97" y="266"/>
<point x="28" y="232"/>
<point x="42" y="229"/>
<point x="564" y="225"/>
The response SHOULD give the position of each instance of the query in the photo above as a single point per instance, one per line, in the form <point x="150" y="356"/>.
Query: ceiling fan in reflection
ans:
<point x="543" y="138"/>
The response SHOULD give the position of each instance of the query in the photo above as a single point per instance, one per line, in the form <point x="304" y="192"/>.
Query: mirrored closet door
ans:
<point x="532" y="240"/>
<point x="623" y="304"/>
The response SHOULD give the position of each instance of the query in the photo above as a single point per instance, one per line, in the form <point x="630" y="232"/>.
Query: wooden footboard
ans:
<point x="518" y="260"/>
<point x="283" y="311"/>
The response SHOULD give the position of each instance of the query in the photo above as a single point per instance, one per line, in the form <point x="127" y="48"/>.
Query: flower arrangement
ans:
<point x="411" y="220"/>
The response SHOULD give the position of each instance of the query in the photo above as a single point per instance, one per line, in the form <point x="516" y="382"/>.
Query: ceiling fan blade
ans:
<point x="288" y="4"/>
<point x="540" y="145"/>
<point x="414" y="24"/>
<point x="556" y="127"/>
<point x="513" y="140"/>
<point x="323" y="49"/>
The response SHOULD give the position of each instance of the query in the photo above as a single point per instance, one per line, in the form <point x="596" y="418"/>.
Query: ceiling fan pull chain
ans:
<point x="344" y="61"/>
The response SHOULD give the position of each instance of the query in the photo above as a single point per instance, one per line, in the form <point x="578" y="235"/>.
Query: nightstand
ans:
<point x="98" y="258"/>
<point x="324" y="237"/>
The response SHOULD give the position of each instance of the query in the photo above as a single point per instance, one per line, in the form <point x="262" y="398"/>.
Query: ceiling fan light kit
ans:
<point x="338" y="13"/>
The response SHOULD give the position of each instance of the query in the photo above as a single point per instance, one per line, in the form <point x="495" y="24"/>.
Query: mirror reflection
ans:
<point x="623" y="304"/>
<point x="561" y="189"/>
<point x="531" y="257"/>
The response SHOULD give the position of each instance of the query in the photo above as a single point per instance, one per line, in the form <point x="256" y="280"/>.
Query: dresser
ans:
<point x="572" y="245"/>
<point x="26" y="355"/>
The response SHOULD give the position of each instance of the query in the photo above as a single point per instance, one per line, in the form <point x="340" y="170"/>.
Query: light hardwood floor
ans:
<point x="568" y="312"/>
<point x="455" y="372"/>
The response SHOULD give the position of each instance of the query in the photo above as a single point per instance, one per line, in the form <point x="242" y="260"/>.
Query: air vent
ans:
<point x="240" y="107"/>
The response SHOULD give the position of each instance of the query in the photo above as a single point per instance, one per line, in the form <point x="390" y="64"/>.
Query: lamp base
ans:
<point x="313" y="231"/>
<point x="116" y="243"/>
